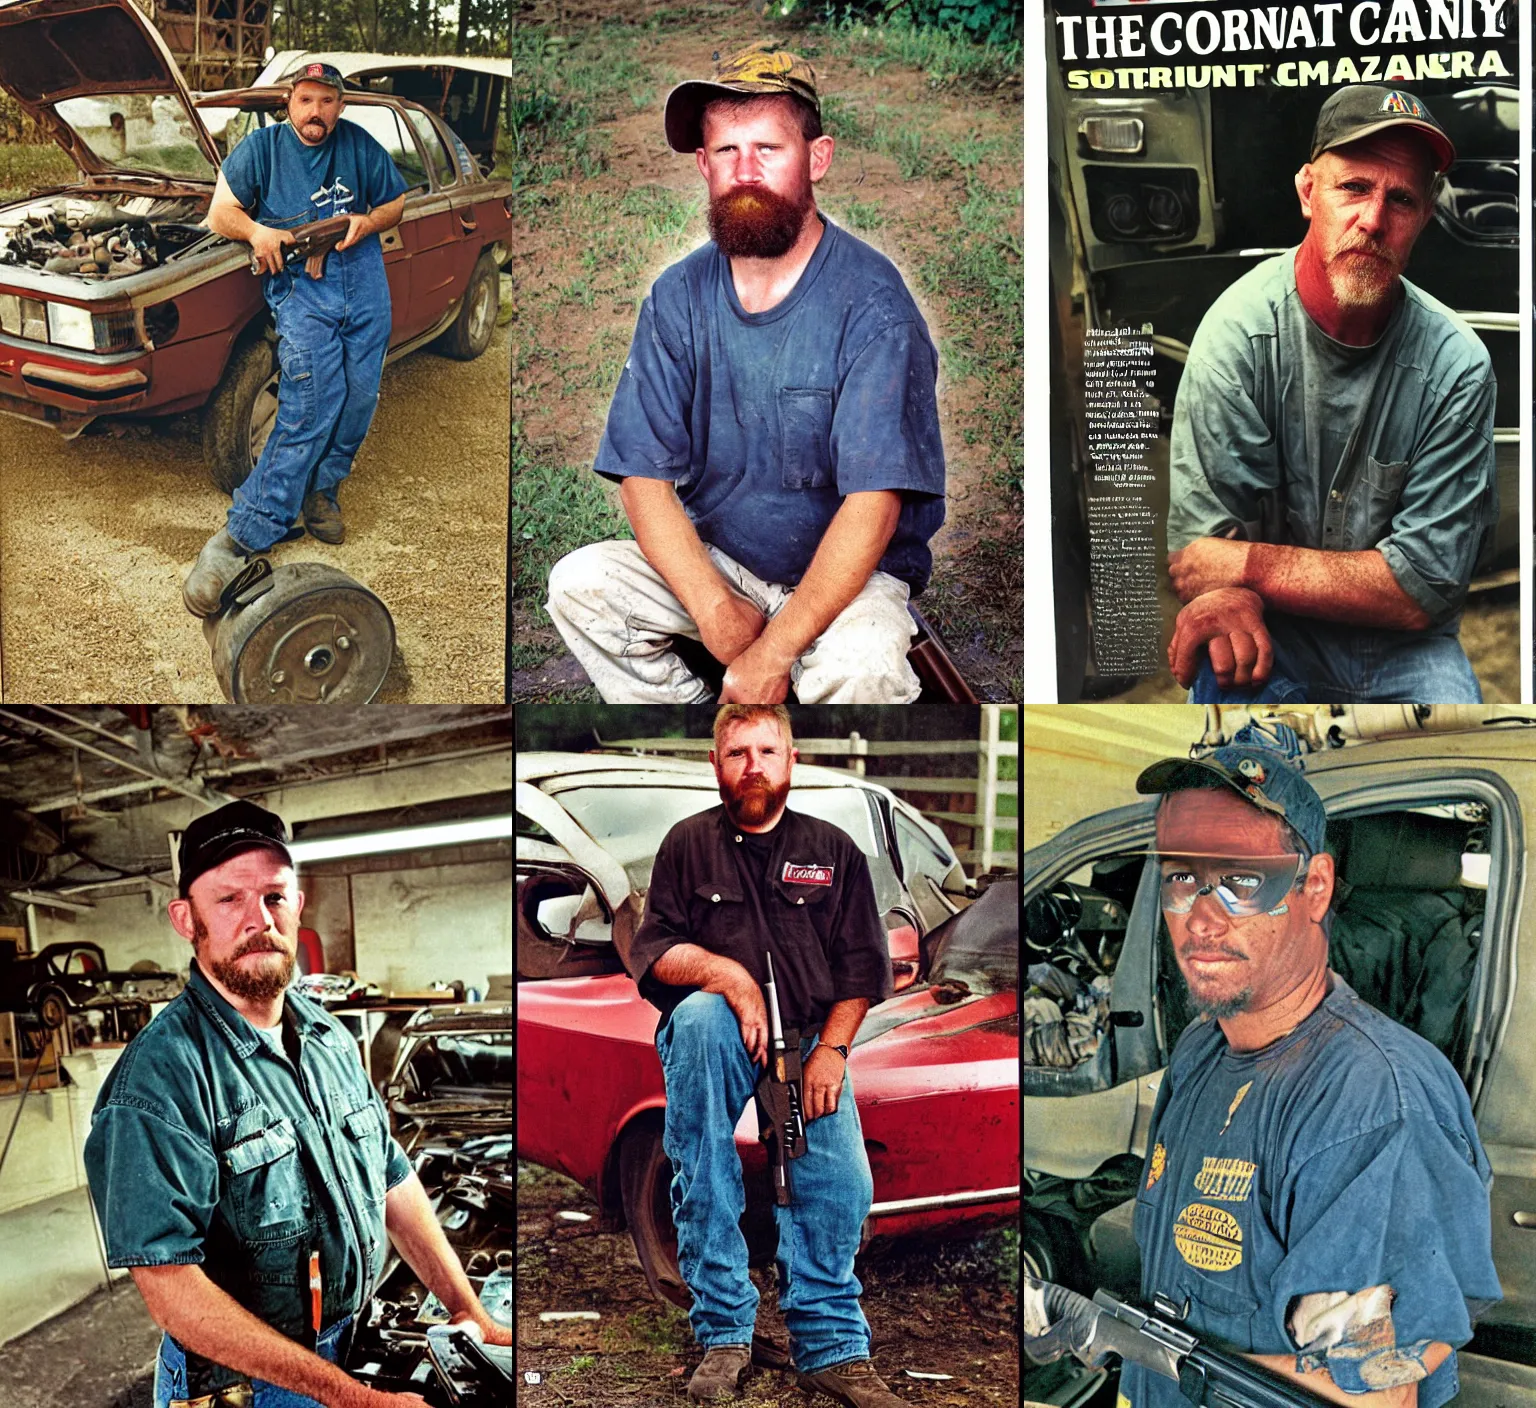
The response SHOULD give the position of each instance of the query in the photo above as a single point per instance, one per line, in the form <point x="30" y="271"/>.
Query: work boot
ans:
<point x="323" y="518"/>
<point x="855" y="1383"/>
<point x="721" y="1373"/>
<point x="218" y="564"/>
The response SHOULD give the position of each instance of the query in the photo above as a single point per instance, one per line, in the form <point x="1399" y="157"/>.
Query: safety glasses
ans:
<point x="1242" y="885"/>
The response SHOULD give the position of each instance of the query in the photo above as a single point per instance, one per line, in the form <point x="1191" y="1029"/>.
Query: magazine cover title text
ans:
<point x="1290" y="46"/>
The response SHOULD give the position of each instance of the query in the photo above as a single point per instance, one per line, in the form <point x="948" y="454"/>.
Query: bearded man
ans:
<point x="1331" y="470"/>
<point x="775" y="435"/>
<point x="729" y="886"/>
<point x="242" y="1164"/>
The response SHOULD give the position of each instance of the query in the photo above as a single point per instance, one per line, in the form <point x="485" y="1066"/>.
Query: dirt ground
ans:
<point x="934" y="1307"/>
<point x="96" y="535"/>
<point x="971" y="139"/>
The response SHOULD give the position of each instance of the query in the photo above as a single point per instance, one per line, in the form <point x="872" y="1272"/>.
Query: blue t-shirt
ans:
<point x="1342" y="1156"/>
<point x="765" y="421"/>
<point x="283" y="183"/>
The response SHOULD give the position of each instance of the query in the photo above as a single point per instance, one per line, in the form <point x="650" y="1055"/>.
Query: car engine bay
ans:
<point x="102" y="238"/>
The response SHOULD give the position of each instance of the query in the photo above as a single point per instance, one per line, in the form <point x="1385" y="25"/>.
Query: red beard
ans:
<point x="753" y="800"/>
<point x="753" y="222"/>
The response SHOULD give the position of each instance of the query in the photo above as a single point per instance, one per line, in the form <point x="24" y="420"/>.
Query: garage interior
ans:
<point x="401" y="825"/>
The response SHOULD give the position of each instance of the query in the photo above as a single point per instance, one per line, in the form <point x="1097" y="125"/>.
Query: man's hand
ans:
<point x="358" y="227"/>
<point x="1207" y="565"/>
<point x="745" y="999"/>
<point x="730" y="627"/>
<point x="1230" y="623"/>
<point x="759" y="675"/>
<point x="491" y="1331"/>
<point x="267" y="246"/>
<point x="821" y="1082"/>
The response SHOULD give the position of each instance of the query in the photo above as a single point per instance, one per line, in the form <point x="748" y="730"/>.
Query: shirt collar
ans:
<point x="308" y="1020"/>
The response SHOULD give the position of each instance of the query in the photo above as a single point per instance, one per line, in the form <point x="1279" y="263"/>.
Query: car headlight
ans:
<point x="10" y="314"/>
<point x="71" y="327"/>
<point x="34" y="321"/>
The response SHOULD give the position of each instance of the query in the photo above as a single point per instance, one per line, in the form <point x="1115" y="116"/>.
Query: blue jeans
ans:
<point x="171" y="1373"/>
<point x="1325" y="662"/>
<point x="710" y="1078"/>
<point x="332" y="334"/>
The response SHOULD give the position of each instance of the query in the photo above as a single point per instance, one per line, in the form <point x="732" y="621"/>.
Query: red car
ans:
<point x="935" y="1072"/>
<point x="115" y="298"/>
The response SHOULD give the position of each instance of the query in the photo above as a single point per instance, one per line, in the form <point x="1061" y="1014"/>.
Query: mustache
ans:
<point x="1214" y="953"/>
<point x="263" y="944"/>
<point x="1370" y="247"/>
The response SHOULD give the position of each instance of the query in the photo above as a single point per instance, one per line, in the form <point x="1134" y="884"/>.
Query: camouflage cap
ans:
<point x="1359" y="109"/>
<point x="756" y="71"/>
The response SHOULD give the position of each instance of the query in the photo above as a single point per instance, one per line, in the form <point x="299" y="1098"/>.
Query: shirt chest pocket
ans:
<point x="801" y="909"/>
<point x="365" y="1148"/>
<point x="717" y="912"/>
<point x="267" y="1194"/>
<point x="805" y="432"/>
<point x="1374" y="504"/>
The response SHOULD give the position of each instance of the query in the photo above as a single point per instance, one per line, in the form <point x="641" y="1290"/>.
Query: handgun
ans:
<point x="780" y="1121"/>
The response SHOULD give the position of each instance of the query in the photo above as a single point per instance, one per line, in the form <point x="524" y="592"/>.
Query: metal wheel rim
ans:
<point x="482" y="312"/>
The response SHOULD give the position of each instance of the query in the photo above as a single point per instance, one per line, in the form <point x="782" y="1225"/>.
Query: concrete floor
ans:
<point x="99" y="1354"/>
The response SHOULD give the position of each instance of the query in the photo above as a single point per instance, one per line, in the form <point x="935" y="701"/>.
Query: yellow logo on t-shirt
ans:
<point x="1121" y="1401"/>
<point x="1208" y="1238"/>
<point x="1225" y="1180"/>
<point x="1159" y="1163"/>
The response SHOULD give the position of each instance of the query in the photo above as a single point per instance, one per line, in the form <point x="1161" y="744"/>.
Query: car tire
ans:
<point x="645" y="1181"/>
<point x="52" y="1008"/>
<point x="240" y="414"/>
<point x="471" y="331"/>
<point x="1052" y="1252"/>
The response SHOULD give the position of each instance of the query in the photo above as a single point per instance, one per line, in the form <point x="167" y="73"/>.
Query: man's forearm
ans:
<point x="848" y="554"/>
<point x="209" y="1321"/>
<point x="1320" y="1383"/>
<point x="385" y="217"/>
<point x="843" y="1021"/>
<point x="690" y="966"/>
<point x="231" y="221"/>
<point x="672" y="545"/>
<point x="418" y="1237"/>
<point x="1331" y="586"/>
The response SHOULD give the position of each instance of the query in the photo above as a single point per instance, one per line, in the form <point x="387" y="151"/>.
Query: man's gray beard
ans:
<point x="1226" y="1007"/>
<point x="1356" y="285"/>
<point x="259" y="985"/>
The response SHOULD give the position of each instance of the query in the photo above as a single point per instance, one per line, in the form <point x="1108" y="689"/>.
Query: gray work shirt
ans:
<point x="1291" y="437"/>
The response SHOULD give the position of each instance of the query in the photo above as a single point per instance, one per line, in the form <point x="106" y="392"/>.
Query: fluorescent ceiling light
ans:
<point x="410" y="838"/>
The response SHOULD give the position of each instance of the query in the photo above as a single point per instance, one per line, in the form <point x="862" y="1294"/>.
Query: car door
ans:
<point x="401" y="244"/>
<point x="444" y="267"/>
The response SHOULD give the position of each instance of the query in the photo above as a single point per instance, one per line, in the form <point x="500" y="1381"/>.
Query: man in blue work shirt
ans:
<point x="333" y="318"/>
<point x="1331" y="470"/>
<point x="237" y="1151"/>
<point x="775" y="435"/>
<point x="1314" y="1185"/>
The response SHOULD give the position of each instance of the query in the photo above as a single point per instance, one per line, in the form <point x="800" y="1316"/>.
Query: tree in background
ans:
<point x="470" y="27"/>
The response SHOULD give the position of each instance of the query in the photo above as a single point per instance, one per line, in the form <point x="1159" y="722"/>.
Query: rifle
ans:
<point x="1204" y="1375"/>
<point x="311" y="242"/>
<point x="779" y="1120"/>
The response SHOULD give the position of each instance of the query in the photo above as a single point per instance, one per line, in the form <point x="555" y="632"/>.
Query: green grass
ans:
<point x="857" y="214"/>
<point x="24" y="169"/>
<point x="947" y="59"/>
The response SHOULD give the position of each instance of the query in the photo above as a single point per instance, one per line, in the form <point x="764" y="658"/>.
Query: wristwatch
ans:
<point x="843" y="1049"/>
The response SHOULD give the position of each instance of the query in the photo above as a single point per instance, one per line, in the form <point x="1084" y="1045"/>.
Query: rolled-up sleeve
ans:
<point x="155" y="1185"/>
<point x="666" y="915"/>
<point x="1449" y="501"/>
<point x="1223" y="464"/>
<point x="861" y="959"/>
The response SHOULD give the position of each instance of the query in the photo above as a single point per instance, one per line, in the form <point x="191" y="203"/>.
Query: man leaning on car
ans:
<point x="729" y="885"/>
<point x="1314" y="1190"/>
<point x="333" y="317"/>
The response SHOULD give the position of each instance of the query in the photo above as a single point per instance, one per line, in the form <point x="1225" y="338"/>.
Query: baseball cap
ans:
<point x="1260" y="766"/>
<point x="1359" y="109"/>
<point x="328" y="74"/>
<point x="757" y="71"/>
<point x="215" y="837"/>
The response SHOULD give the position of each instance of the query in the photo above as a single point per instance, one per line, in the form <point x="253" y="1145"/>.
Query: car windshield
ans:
<point x="138" y="132"/>
<point x="629" y="822"/>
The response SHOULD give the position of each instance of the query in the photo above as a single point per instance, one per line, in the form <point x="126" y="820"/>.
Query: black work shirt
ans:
<point x="812" y="906"/>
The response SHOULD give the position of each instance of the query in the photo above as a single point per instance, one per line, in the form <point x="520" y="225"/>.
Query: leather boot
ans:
<point x="323" y="518"/>
<point x="721" y="1373"/>
<point x="855" y="1384"/>
<point x="218" y="564"/>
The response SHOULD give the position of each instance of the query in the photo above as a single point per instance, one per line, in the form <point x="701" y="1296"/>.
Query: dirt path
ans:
<point x="917" y="173"/>
<point x="935" y="1307"/>
<point x="96" y="535"/>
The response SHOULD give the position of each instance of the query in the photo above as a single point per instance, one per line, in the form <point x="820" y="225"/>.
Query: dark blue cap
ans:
<point x="1262" y="765"/>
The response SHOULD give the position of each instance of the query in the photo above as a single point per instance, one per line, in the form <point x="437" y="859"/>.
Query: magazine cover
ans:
<point x="1284" y="263"/>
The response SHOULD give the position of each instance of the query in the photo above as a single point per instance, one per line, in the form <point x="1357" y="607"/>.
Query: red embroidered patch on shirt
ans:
<point x="807" y="874"/>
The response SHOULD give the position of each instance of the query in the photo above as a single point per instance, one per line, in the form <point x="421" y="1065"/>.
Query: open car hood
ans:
<point x="51" y="50"/>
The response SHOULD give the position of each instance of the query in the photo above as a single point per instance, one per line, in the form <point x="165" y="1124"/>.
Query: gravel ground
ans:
<point x="96" y="535"/>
